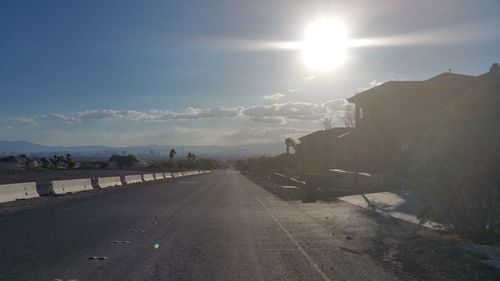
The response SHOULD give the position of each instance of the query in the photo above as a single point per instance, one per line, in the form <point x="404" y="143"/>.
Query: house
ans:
<point x="59" y="164"/>
<point x="391" y="120"/>
<point x="13" y="163"/>
<point x="34" y="164"/>
<point x="319" y="149"/>
<point x="127" y="162"/>
<point x="46" y="163"/>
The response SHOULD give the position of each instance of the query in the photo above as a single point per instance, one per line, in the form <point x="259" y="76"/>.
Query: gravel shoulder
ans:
<point x="410" y="251"/>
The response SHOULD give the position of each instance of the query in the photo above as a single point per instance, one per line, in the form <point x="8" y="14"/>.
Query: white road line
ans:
<point x="304" y="253"/>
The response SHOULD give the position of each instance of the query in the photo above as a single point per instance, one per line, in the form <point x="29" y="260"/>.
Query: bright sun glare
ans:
<point x="324" y="45"/>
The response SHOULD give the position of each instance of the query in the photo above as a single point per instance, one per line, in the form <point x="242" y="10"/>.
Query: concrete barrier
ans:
<point x="15" y="191"/>
<point x="108" y="182"/>
<point x="70" y="186"/>
<point x="159" y="176"/>
<point x="148" y="177"/>
<point x="132" y="179"/>
<point x="167" y="175"/>
<point x="177" y="174"/>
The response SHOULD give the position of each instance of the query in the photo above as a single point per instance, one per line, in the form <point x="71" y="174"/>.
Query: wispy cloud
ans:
<point x="371" y="84"/>
<point x="275" y="96"/>
<point x="110" y="114"/>
<point x="20" y="121"/>
<point x="375" y="83"/>
<point x="194" y="113"/>
<point x="294" y="111"/>
<point x="58" y="118"/>
<point x="284" y="112"/>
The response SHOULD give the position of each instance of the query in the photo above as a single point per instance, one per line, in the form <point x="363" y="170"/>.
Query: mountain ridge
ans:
<point x="22" y="146"/>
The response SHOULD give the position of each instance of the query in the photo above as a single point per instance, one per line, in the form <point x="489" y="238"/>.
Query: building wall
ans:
<point x="321" y="151"/>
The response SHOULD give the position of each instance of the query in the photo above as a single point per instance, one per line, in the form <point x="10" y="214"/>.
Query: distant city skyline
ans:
<point x="123" y="73"/>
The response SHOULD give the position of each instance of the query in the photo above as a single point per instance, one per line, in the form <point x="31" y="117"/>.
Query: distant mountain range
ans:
<point x="232" y="152"/>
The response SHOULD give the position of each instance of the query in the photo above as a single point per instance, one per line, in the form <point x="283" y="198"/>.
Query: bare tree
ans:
<point x="349" y="117"/>
<point x="327" y="123"/>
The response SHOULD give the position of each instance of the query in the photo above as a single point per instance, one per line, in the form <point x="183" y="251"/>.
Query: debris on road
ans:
<point x="97" y="258"/>
<point x="120" y="242"/>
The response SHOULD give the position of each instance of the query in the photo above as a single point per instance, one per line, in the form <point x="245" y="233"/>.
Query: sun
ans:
<point x="324" y="46"/>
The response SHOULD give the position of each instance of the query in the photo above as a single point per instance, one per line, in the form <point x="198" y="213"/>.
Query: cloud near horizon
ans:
<point x="231" y="125"/>
<point x="277" y="113"/>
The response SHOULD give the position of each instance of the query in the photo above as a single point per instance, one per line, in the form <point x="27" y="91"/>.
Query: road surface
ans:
<point x="218" y="226"/>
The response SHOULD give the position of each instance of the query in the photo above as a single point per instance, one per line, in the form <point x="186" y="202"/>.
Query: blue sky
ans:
<point x="185" y="72"/>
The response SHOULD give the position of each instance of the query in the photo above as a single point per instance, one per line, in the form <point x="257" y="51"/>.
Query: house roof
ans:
<point x="333" y="133"/>
<point x="45" y="161"/>
<point x="445" y="85"/>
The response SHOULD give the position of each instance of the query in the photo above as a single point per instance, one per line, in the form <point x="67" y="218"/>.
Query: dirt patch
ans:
<point x="431" y="260"/>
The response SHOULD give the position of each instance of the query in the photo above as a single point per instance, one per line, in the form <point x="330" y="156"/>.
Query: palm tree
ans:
<point x="289" y="142"/>
<point x="172" y="154"/>
<point x="69" y="161"/>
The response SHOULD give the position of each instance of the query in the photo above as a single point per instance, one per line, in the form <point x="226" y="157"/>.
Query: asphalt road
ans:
<point x="217" y="226"/>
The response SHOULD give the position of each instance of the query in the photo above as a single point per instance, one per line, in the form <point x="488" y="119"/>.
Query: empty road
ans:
<point x="218" y="226"/>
